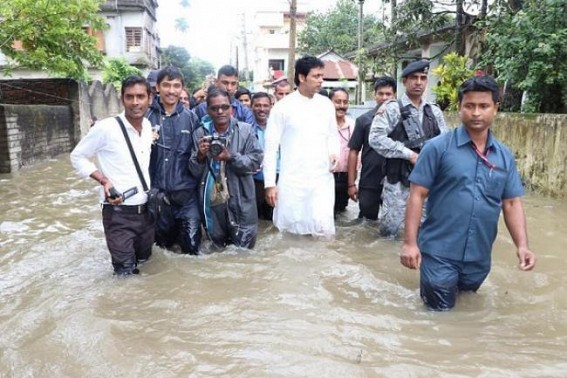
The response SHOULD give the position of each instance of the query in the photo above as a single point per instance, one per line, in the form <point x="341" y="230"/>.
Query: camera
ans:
<point x="218" y="144"/>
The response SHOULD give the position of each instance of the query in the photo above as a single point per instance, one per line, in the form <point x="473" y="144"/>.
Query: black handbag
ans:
<point x="155" y="197"/>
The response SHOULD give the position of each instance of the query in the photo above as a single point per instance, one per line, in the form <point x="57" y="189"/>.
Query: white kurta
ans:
<point x="305" y="130"/>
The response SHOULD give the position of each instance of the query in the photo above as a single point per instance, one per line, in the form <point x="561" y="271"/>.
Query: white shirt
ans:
<point x="106" y="141"/>
<point x="305" y="130"/>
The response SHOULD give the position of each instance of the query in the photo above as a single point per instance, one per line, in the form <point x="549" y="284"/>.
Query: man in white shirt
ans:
<point x="128" y="227"/>
<point x="304" y="127"/>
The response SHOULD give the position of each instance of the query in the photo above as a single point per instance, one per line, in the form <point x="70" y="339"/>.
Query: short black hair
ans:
<point x="227" y="70"/>
<point x="483" y="83"/>
<point x="242" y="91"/>
<point x="216" y="92"/>
<point x="171" y="73"/>
<point x="133" y="80"/>
<point x="259" y="95"/>
<point x="304" y="65"/>
<point x="335" y="90"/>
<point x="385" y="81"/>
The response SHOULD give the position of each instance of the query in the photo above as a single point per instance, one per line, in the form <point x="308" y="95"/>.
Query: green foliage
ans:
<point x="337" y="30"/>
<point x="194" y="69"/>
<point x="117" y="69"/>
<point x="51" y="35"/>
<point x="452" y="72"/>
<point x="529" y="49"/>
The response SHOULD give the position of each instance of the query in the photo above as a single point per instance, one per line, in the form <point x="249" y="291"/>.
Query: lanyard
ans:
<point x="342" y="135"/>
<point x="484" y="157"/>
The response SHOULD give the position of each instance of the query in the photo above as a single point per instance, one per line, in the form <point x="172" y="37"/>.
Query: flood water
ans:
<point x="292" y="307"/>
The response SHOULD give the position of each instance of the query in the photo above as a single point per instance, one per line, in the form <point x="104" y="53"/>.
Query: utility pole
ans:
<point x="292" y="38"/>
<point x="359" y="52"/>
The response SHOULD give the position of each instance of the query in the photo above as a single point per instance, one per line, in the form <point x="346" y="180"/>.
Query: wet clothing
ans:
<point x="305" y="131"/>
<point x="372" y="169"/>
<point x="169" y="170"/>
<point x="126" y="232"/>
<point x="128" y="229"/>
<point x="442" y="279"/>
<point x="229" y="218"/>
<point x="465" y="199"/>
<point x="239" y="111"/>
<point x="396" y="187"/>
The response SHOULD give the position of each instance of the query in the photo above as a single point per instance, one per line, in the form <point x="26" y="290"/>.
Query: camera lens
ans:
<point x="216" y="148"/>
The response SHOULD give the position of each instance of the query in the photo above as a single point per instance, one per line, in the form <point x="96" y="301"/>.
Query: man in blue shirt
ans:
<point x="227" y="80"/>
<point x="468" y="177"/>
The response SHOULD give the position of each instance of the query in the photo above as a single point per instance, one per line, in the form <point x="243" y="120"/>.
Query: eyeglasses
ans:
<point x="216" y="108"/>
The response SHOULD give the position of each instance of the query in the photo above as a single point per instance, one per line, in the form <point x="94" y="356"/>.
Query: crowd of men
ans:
<point x="224" y="157"/>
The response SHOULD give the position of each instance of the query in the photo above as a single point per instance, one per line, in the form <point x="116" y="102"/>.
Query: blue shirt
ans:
<point x="260" y="131"/>
<point x="465" y="195"/>
<point x="239" y="111"/>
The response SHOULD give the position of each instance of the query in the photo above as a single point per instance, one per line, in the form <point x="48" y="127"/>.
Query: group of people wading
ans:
<point x="294" y="157"/>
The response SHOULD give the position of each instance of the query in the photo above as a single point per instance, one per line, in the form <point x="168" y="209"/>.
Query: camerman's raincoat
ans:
<point x="234" y="221"/>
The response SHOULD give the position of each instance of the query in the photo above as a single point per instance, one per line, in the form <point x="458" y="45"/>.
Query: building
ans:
<point x="270" y="46"/>
<point x="131" y="33"/>
<point x="339" y="73"/>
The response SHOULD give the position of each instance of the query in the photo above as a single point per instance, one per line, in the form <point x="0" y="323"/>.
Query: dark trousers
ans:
<point x="441" y="279"/>
<point x="265" y="211"/>
<point x="227" y="230"/>
<point x="129" y="237"/>
<point x="369" y="202"/>
<point x="180" y="225"/>
<point x="341" y="191"/>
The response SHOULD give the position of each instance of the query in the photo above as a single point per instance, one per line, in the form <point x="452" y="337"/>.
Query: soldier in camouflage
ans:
<point x="398" y="131"/>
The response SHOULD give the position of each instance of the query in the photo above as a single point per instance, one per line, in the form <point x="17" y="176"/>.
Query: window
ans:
<point x="133" y="39"/>
<point x="276" y="64"/>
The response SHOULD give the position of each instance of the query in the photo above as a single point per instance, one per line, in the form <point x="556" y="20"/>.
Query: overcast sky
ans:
<point x="213" y="23"/>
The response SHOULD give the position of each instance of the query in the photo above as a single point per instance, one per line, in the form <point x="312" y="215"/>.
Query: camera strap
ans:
<point x="144" y="185"/>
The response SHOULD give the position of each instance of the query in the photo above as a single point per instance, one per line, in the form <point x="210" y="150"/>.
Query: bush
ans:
<point x="452" y="73"/>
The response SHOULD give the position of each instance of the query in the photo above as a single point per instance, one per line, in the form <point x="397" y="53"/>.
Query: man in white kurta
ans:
<point x="303" y="126"/>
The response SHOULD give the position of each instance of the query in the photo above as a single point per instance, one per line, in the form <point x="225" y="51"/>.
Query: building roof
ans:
<point x="337" y="67"/>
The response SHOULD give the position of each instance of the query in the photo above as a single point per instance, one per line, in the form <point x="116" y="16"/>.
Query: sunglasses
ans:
<point x="216" y="108"/>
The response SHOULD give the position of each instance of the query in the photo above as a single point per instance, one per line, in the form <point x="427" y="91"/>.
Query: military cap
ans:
<point x="152" y="78"/>
<point x="420" y="66"/>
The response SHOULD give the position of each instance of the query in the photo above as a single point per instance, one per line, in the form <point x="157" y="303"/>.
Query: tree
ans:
<point x="117" y="69"/>
<point x="335" y="30"/>
<point x="529" y="49"/>
<point x="194" y="69"/>
<point x="451" y="74"/>
<point x="50" y="36"/>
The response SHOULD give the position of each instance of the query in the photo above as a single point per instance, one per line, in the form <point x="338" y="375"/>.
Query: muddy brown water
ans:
<point x="292" y="307"/>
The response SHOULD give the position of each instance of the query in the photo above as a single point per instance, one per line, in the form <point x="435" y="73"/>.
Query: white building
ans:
<point x="131" y="33"/>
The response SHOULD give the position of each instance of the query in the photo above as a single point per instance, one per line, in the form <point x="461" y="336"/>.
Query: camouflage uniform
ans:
<point x="394" y="196"/>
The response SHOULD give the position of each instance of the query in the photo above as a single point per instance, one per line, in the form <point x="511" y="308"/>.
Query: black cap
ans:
<point x="152" y="78"/>
<point x="420" y="66"/>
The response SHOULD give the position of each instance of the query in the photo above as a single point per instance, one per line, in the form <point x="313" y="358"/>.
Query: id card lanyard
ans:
<point x="484" y="158"/>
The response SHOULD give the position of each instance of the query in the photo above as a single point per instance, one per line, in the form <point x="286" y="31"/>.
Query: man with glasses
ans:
<point x="226" y="155"/>
<point x="179" y="221"/>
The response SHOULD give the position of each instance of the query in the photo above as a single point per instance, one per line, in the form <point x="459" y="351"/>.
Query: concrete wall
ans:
<point x="43" y="118"/>
<point x="539" y="142"/>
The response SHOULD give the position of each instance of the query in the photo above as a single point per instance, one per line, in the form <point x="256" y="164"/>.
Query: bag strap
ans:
<point x="119" y="120"/>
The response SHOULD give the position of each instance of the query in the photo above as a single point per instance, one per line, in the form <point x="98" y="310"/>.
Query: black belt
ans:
<point x="127" y="209"/>
<point x="340" y="174"/>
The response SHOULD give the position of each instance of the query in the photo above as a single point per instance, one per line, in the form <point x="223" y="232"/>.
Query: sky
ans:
<point x="213" y="24"/>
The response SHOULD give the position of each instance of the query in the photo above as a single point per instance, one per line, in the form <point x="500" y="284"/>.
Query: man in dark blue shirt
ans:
<point x="468" y="177"/>
<point x="227" y="80"/>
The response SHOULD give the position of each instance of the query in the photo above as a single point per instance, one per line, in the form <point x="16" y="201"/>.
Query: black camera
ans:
<point x="218" y="144"/>
<point x="114" y="194"/>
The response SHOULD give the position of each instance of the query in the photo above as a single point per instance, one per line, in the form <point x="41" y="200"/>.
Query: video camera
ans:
<point x="114" y="194"/>
<point x="218" y="143"/>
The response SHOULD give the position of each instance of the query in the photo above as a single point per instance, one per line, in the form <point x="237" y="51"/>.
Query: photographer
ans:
<point x="226" y="155"/>
<point x="128" y="228"/>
